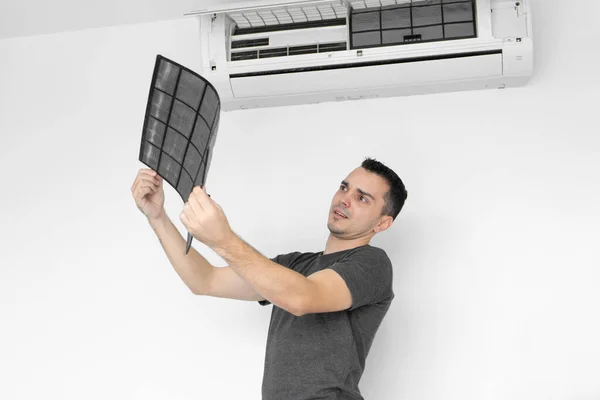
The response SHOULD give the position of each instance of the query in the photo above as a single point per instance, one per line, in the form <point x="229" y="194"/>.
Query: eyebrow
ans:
<point x="360" y="191"/>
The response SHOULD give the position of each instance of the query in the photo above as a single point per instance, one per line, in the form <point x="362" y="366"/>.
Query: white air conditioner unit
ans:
<point x="269" y="53"/>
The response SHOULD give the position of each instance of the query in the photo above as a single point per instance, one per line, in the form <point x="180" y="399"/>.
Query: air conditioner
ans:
<point x="269" y="53"/>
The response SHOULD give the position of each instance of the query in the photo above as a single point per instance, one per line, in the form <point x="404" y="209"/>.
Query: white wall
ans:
<point x="495" y="255"/>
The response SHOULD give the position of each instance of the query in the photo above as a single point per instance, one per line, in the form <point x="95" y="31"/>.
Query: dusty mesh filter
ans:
<point x="180" y="127"/>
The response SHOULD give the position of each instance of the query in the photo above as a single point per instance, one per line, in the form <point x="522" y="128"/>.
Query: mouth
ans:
<point x="339" y="214"/>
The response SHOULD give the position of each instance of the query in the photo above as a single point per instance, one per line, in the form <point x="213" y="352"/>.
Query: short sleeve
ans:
<point x="285" y="260"/>
<point x="369" y="277"/>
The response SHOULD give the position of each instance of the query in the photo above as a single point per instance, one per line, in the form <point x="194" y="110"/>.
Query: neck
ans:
<point x="335" y="244"/>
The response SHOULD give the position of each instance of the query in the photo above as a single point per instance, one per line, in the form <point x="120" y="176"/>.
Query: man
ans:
<point x="327" y="306"/>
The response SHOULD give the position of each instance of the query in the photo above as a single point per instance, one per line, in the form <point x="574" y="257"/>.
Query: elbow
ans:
<point x="304" y="302"/>
<point x="298" y="308"/>
<point x="196" y="290"/>
<point x="297" y="313"/>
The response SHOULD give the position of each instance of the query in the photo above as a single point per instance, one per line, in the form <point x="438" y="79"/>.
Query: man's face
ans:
<point x="360" y="199"/>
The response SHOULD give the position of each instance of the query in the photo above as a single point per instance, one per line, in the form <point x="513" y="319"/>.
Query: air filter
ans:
<point x="180" y="127"/>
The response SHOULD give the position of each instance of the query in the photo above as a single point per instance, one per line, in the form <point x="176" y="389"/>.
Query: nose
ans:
<point x="346" y="199"/>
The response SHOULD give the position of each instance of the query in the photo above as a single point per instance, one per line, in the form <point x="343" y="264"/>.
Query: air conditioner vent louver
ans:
<point x="279" y="52"/>
<point x="272" y="17"/>
<point x="240" y="44"/>
<point x="288" y="51"/>
<point x="289" y="27"/>
<point x="324" y="48"/>
<point x="311" y="49"/>
<point x="244" y="55"/>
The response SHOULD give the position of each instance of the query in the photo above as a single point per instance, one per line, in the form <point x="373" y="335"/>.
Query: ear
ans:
<point x="383" y="224"/>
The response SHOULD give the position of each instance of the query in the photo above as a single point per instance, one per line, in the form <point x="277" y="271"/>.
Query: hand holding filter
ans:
<point x="180" y="127"/>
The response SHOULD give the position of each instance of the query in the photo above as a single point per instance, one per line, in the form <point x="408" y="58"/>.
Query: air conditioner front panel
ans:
<point x="355" y="77"/>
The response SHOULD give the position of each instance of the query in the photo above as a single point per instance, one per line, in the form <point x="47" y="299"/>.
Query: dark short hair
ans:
<point x="396" y="196"/>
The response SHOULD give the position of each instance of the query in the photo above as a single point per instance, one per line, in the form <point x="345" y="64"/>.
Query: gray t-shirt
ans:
<point x="322" y="356"/>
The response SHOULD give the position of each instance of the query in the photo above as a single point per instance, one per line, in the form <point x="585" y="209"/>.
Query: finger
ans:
<point x="143" y="191"/>
<point x="139" y="183"/>
<point x="206" y="191"/>
<point x="184" y="219"/>
<point x="202" y="198"/>
<point x="195" y="205"/>
<point x="154" y="180"/>
<point x="143" y="176"/>
<point x="149" y="180"/>
<point x="147" y="171"/>
<point x="189" y="212"/>
<point x="135" y="186"/>
<point x="187" y="218"/>
<point x="151" y="174"/>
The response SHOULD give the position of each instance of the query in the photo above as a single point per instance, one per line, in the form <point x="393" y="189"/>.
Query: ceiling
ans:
<point x="40" y="17"/>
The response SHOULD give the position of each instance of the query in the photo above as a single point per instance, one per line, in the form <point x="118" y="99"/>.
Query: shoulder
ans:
<point x="294" y="257"/>
<point x="371" y="259"/>
<point x="369" y="253"/>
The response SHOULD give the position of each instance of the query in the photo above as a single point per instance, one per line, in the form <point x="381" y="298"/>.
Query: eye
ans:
<point x="363" y="199"/>
<point x="342" y="187"/>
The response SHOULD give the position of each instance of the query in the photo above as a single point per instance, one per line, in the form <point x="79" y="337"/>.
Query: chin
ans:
<point x="334" y="231"/>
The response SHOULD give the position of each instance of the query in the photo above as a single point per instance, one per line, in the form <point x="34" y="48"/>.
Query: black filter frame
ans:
<point x="180" y="127"/>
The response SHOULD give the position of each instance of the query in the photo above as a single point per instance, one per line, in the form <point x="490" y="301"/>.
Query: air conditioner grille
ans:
<point x="325" y="47"/>
<point x="244" y="55"/>
<point x="240" y="44"/>
<point x="288" y="51"/>
<point x="404" y="23"/>
<point x="310" y="49"/>
<point x="278" y="52"/>
<point x="289" y="27"/>
<point x="272" y="18"/>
